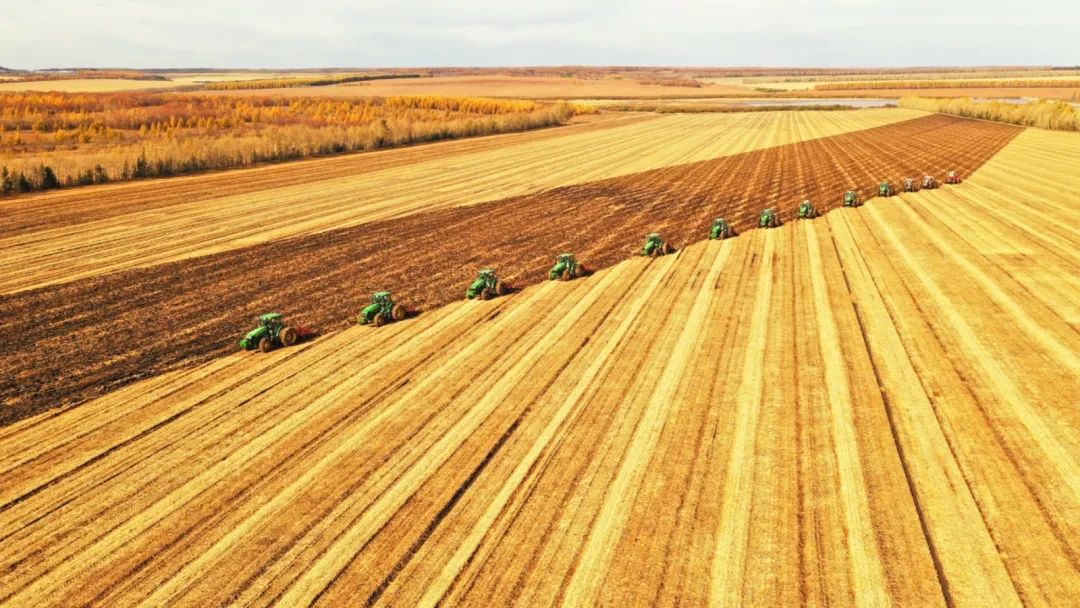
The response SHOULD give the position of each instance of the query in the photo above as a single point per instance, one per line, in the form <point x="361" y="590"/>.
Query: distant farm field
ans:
<point x="526" y="87"/>
<point x="87" y="85"/>
<point x="1049" y="92"/>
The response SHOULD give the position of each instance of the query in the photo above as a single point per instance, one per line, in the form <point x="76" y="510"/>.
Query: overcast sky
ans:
<point x="384" y="33"/>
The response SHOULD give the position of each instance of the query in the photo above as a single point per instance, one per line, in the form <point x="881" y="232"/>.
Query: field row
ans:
<point x="73" y="206"/>
<point x="874" y="407"/>
<point x="65" y="236"/>
<point x="427" y="259"/>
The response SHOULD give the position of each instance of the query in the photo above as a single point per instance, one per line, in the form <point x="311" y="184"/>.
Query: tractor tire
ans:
<point x="655" y="253"/>
<point x="398" y="313"/>
<point x="288" y="336"/>
<point x="379" y="320"/>
<point x="567" y="275"/>
<point x="500" y="288"/>
<point x="667" y="248"/>
<point x="579" y="270"/>
<point x="266" y="345"/>
<point x="487" y="294"/>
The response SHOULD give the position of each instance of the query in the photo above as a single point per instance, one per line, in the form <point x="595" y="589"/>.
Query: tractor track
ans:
<point x="426" y="258"/>
<point x="823" y="413"/>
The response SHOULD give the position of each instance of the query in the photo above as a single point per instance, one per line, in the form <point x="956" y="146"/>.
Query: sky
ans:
<point x="415" y="33"/>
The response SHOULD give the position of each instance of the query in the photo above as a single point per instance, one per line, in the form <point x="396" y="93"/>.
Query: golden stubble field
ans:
<point x="876" y="407"/>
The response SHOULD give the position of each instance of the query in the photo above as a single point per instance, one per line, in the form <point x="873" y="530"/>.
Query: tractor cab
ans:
<point x="768" y="218"/>
<point x="270" y="320"/>
<point x="381" y="297"/>
<point x="720" y="229"/>
<point x="851" y="199"/>
<point x="655" y="245"/>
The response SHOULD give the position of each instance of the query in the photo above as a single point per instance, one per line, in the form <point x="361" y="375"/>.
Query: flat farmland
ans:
<point x="1047" y="92"/>
<point x="427" y="258"/>
<point x="87" y="85"/>
<point x="66" y="235"/>
<point x="876" y="407"/>
<point x="518" y="87"/>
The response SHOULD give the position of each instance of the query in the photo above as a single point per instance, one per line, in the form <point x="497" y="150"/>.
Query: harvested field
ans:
<point x="88" y="85"/>
<point x="428" y="258"/>
<point x="827" y="412"/>
<point x="518" y="87"/>
<point x="67" y="235"/>
<point x="68" y="208"/>
<point x="1048" y="92"/>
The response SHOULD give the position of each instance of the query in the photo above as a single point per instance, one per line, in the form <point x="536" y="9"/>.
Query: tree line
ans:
<point x="148" y="135"/>
<point x="1044" y="113"/>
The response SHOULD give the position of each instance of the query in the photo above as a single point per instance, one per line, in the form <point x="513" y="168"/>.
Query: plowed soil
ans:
<point x="96" y="334"/>
<point x="877" y="407"/>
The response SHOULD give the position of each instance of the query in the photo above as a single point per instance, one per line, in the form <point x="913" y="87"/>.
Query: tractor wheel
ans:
<point x="655" y="252"/>
<point x="397" y="312"/>
<point x="667" y="248"/>
<point x="500" y="288"/>
<point x="487" y="294"/>
<point x="265" y="345"/>
<point x="288" y="336"/>
<point x="579" y="270"/>
<point x="379" y="320"/>
<point x="567" y="275"/>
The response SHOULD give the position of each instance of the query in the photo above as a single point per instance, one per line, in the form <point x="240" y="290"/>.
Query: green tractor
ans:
<point x="272" y="331"/>
<point x="769" y="218"/>
<point x="721" y="229"/>
<point x="656" y="246"/>
<point x="852" y="199"/>
<point x="486" y="286"/>
<point x="566" y="267"/>
<point x="807" y="211"/>
<point x="381" y="311"/>
<point x="885" y="189"/>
